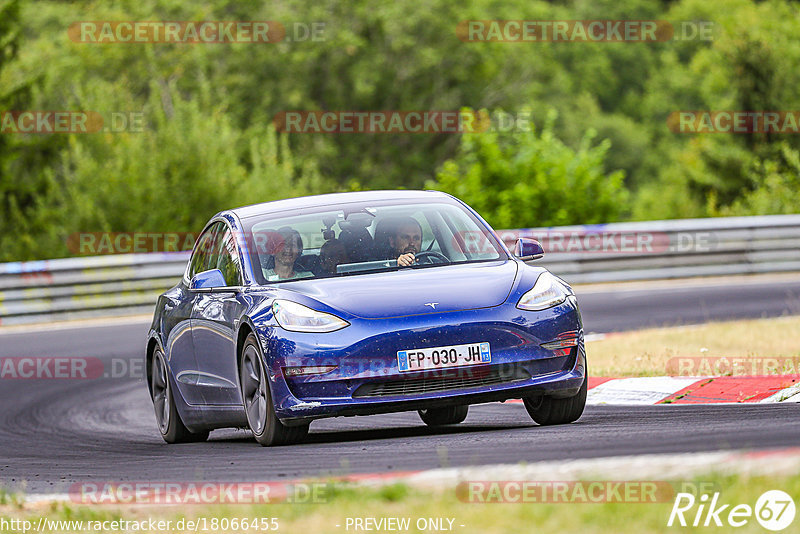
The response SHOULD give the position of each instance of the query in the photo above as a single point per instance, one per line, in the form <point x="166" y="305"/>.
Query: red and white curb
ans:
<point x="693" y="390"/>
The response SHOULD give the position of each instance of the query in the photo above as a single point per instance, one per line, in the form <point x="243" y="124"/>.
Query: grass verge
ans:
<point x="401" y="501"/>
<point x="648" y="352"/>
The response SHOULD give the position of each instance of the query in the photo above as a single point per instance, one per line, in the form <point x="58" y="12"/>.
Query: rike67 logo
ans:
<point x="774" y="510"/>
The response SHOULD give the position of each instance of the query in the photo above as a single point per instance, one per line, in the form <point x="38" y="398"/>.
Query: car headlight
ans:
<point x="548" y="291"/>
<point x="298" y="318"/>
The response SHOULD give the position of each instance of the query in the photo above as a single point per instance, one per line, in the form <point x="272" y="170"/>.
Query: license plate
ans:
<point x="438" y="357"/>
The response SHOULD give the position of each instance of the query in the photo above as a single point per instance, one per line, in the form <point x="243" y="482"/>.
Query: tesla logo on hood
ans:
<point x="431" y="304"/>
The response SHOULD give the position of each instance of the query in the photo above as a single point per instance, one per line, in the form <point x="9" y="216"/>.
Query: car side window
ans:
<point x="228" y="259"/>
<point x="203" y="255"/>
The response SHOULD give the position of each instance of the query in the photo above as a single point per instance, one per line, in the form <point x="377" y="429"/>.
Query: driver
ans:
<point x="406" y="241"/>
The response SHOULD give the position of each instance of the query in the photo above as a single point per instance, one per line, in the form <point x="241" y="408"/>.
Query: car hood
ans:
<point x="414" y="291"/>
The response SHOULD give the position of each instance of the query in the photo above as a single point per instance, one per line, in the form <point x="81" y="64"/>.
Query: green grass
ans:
<point x="653" y="352"/>
<point x="400" y="500"/>
<point x="9" y="499"/>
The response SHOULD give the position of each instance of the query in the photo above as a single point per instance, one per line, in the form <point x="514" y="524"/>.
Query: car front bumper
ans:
<point x="366" y="379"/>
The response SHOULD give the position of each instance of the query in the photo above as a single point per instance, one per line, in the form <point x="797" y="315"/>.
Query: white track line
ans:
<point x="790" y="394"/>
<point x="639" y="390"/>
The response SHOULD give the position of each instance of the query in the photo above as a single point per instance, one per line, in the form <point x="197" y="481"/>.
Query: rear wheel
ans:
<point x="550" y="411"/>
<point x="266" y="427"/>
<point x="169" y="421"/>
<point x="451" y="415"/>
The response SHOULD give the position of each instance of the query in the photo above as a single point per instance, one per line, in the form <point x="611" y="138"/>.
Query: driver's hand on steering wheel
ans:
<point x="406" y="260"/>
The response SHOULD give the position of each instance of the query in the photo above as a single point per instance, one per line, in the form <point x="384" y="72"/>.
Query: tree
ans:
<point x="26" y="185"/>
<point x="525" y="179"/>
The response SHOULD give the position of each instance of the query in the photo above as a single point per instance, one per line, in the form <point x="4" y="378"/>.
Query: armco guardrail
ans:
<point x="51" y="290"/>
<point x="669" y="249"/>
<point x="126" y="284"/>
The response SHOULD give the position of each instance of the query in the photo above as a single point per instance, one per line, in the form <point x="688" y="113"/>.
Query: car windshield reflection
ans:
<point x="367" y="238"/>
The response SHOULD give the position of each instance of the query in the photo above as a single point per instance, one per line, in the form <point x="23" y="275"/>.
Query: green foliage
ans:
<point x="527" y="179"/>
<point x="15" y="499"/>
<point x="187" y="164"/>
<point x="776" y="187"/>
<point x="208" y="143"/>
<point x="188" y="160"/>
<point x="23" y="201"/>
<point x="748" y="66"/>
<point x="398" y="492"/>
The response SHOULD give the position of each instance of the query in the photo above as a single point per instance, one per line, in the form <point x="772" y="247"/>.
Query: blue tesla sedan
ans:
<point x="356" y="304"/>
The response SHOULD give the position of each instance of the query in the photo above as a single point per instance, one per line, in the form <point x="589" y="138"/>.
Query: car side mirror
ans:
<point x="207" y="280"/>
<point x="528" y="249"/>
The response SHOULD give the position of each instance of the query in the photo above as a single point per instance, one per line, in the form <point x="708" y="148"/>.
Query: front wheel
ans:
<point x="266" y="427"/>
<point x="550" y="411"/>
<point x="452" y="415"/>
<point x="169" y="422"/>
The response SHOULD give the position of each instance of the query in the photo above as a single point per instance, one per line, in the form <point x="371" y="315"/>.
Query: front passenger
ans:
<point x="285" y="257"/>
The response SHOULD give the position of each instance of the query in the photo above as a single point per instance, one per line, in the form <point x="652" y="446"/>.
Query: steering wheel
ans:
<point x="428" y="255"/>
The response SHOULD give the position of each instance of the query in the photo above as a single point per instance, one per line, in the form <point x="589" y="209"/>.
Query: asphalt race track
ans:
<point x="54" y="433"/>
<point x="681" y="304"/>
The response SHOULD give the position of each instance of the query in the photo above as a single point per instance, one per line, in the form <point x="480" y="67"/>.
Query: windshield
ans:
<point x="359" y="238"/>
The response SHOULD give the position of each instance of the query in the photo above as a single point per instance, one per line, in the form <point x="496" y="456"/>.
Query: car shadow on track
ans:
<point x="373" y="434"/>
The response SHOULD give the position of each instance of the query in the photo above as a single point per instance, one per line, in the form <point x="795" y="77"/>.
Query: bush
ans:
<point x="186" y="165"/>
<point x="518" y="180"/>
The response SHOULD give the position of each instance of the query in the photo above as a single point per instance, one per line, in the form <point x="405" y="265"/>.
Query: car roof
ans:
<point x="332" y="199"/>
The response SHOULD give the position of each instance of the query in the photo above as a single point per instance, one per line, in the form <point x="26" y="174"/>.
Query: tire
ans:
<point x="451" y="415"/>
<point x="257" y="401"/>
<point x="550" y="411"/>
<point x="169" y="421"/>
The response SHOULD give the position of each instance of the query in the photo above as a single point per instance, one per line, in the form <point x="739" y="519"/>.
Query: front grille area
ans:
<point x="443" y="381"/>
